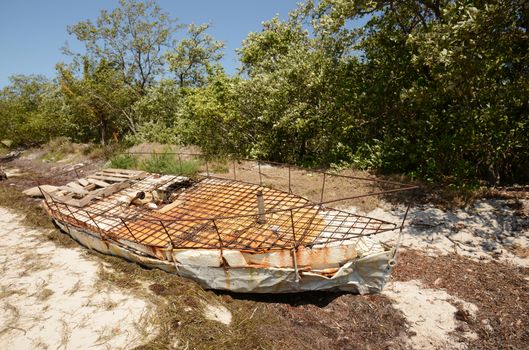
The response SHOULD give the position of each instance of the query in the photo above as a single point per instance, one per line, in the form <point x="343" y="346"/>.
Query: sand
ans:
<point x="50" y="297"/>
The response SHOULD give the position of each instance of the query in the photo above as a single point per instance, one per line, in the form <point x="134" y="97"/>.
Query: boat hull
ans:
<point x="363" y="275"/>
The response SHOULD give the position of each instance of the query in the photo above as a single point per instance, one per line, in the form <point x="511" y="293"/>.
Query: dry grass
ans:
<point x="500" y="292"/>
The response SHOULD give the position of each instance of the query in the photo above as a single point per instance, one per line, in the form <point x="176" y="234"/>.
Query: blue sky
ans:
<point x="32" y="32"/>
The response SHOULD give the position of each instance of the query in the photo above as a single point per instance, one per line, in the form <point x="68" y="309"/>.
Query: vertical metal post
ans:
<point x="207" y="167"/>
<point x="261" y="219"/>
<point x="167" y="233"/>
<point x="293" y="230"/>
<point x="57" y="208"/>
<point x="323" y="186"/>
<point x="223" y="261"/>
<point x="294" y="248"/>
<point x="289" y="187"/>
<point x="234" y="171"/>
<point x="130" y="231"/>
<point x="70" y="210"/>
<point x="180" y="162"/>
<point x="95" y="223"/>
<point x="260" y="175"/>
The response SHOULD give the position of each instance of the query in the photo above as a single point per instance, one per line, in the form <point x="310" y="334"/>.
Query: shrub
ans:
<point x="124" y="161"/>
<point x="165" y="163"/>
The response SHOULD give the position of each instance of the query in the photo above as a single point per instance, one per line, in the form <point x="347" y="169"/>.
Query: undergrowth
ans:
<point x="162" y="163"/>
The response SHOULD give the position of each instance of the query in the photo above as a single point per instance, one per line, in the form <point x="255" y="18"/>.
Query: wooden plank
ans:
<point x="106" y="178"/>
<point x="124" y="171"/>
<point x="75" y="185"/>
<point x="83" y="182"/>
<point x="124" y="176"/>
<point x="98" y="182"/>
<point x="74" y="190"/>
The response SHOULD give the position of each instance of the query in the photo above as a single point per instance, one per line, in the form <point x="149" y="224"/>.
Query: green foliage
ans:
<point x="193" y="58"/>
<point x="124" y="161"/>
<point x="166" y="163"/>
<point x="161" y="163"/>
<point x="57" y="149"/>
<point x="434" y="89"/>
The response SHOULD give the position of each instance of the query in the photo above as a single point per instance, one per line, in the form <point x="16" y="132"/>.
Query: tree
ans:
<point x="31" y="110"/>
<point x="102" y="101"/>
<point x="194" y="57"/>
<point x="132" y="37"/>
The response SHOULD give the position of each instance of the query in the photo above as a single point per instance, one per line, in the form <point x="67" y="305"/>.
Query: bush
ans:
<point x="165" y="163"/>
<point x="124" y="161"/>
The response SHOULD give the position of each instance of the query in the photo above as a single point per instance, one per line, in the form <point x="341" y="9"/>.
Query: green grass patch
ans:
<point x="124" y="161"/>
<point x="161" y="163"/>
<point x="165" y="163"/>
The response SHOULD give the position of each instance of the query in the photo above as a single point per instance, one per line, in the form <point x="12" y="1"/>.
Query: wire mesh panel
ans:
<point x="222" y="212"/>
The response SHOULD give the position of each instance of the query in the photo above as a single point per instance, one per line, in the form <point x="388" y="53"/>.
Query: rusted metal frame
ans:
<point x="262" y="241"/>
<point x="275" y="163"/>
<point x="294" y="249"/>
<point x="289" y="180"/>
<point x="221" y="247"/>
<point x="226" y="203"/>
<point x="180" y="162"/>
<point x="71" y="213"/>
<point x="336" y="230"/>
<point x="223" y="205"/>
<point x="323" y="187"/>
<point x="260" y="175"/>
<point x="207" y="166"/>
<point x="349" y="235"/>
<point x="399" y="237"/>
<point x="333" y="229"/>
<point x="278" y="238"/>
<point x="96" y="225"/>
<point x="186" y="236"/>
<point x="153" y="234"/>
<point x="345" y="235"/>
<point x="57" y="208"/>
<point x="167" y="233"/>
<point x="285" y="210"/>
<point x="129" y="230"/>
<point x="292" y="208"/>
<point x="309" y="224"/>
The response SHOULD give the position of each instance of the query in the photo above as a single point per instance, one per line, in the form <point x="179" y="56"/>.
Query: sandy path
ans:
<point x="50" y="297"/>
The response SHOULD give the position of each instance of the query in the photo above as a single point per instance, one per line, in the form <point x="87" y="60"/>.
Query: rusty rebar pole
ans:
<point x="130" y="231"/>
<point x="222" y="260"/>
<point x="180" y="162"/>
<point x="294" y="248"/>
<point x="261" y="218"/>
<point x="289" y="185"/>
<point x="260" y="175"/>
<point x="167" y="233"/>
<point x="323" y="187"/>
<point x="95" y="223"/>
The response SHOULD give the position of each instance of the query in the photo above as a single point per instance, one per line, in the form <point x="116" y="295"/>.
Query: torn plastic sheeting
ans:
<point x="364" y="275"/>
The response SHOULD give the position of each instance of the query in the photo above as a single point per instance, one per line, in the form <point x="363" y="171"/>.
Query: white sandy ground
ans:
<point x="482" y="232"/>
<point x="430" y="313"/>
<point x="49" y="297"/>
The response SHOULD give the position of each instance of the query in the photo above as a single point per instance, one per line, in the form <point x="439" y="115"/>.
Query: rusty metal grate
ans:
<point x="220" y="213"/>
